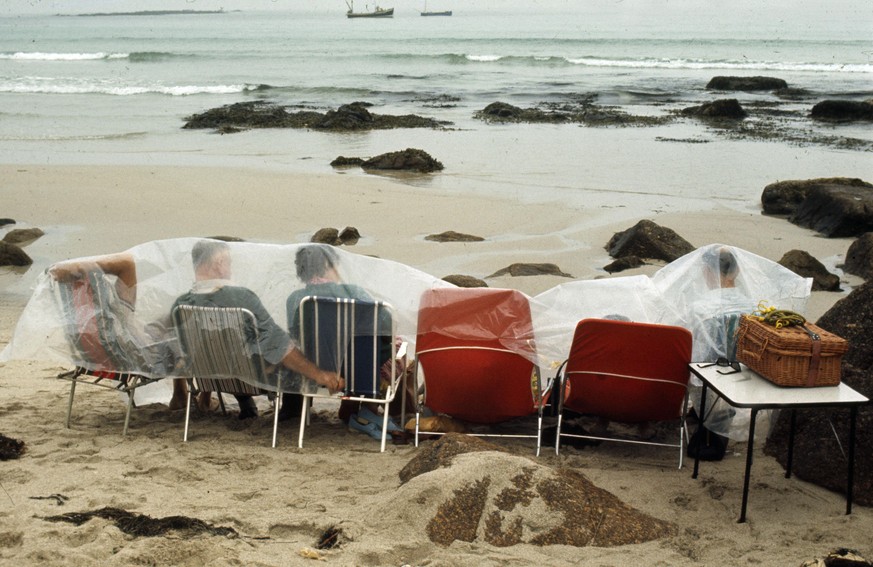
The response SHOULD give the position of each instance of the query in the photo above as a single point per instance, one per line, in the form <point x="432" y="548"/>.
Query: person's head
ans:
<point x="317" y="261"/>
<point x="722" y="264"/>
<point x="211" y="259"/>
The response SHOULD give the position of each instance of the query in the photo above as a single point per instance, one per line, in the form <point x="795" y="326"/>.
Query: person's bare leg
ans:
<point x="180" y="394"/>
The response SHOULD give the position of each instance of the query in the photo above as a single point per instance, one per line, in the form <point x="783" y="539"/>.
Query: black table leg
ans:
<point x="790" y="444"/>
<point x="850" y="481"/>
<point x="699" y="425"/>
<point x="749" y="451"/>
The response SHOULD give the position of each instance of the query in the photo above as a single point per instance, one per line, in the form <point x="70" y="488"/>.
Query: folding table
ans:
<point x="747" y="389"/>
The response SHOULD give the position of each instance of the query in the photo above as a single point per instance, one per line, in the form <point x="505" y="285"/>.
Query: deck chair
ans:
<point x="104" y="346"/>
<point x="353" y="338"/>
<point x="220" y="349"/>
<point x="474" y="358"/>
<point x="626" y="372"/>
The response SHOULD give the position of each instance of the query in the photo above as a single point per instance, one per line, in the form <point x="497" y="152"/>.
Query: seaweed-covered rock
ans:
<point x="728" y="83"/>
<point x="724" y="108"/>
<point x="522" y="269"/>
<point x="836" y="211"/>
<point x="326" y="236"/>
<point x="410" y="159"/>
<point x="461" y="280"/>
<point x="13" y="255"/>
<point x="647" y="239"/>
<point x="349" y="235"/>
<point x="452" y="236"/>
<point x="19" y="235"/>
<point x="6" y="221"/>
<point x="783" y="197"/>
<point x="842" y="110"/>
<point x="342" y="161"/>
<point x="859" y="258"/>
<point x="804" y="264"/>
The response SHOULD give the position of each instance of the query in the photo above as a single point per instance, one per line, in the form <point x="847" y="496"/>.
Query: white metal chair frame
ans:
<point x="214" y="346"/>
<point x="346" y="317"/>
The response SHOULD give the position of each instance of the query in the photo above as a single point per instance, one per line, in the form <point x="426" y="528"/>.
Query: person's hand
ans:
<point x="65" y="271"/>
<point x="334" y="382"/>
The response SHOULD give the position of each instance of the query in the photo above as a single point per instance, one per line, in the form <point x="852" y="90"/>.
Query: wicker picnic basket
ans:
<point x="804" y="355"/>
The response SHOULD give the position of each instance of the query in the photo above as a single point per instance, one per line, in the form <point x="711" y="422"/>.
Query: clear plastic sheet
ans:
<point x="687" y="292"/>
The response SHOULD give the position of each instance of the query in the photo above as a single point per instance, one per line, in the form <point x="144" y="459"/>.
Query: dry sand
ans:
<point x="281" y="500"/>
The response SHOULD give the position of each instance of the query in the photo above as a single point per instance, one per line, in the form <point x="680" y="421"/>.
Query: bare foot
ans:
<point x="206" y="403"/>
<point x="177" y="403"/>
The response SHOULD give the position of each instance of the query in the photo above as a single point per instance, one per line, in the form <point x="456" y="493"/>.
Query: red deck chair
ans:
<point x="475" y="351"/>
<point x="626" y="372"/>
<point x="101" y="343"/>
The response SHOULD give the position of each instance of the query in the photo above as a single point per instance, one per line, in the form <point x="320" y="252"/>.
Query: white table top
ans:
<point x="747" y="389"/>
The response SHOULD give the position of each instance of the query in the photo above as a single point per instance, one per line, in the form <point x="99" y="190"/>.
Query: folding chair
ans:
<point x="103" y="344"/>
<point x="475" y="356"/>
<point x="353" y="338"/>
<point x="626" y="372"/>
<point x="221" y="352"/>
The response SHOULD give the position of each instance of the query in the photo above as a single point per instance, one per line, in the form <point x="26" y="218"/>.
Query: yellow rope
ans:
<point x="777" y="317"/>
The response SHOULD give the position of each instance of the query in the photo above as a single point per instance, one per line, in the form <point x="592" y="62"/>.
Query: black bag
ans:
<point x="708" y="445"/>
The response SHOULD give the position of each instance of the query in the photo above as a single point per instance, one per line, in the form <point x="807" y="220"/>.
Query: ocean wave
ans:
<point x="37" y="85"/>
<point x="136" y="56"/>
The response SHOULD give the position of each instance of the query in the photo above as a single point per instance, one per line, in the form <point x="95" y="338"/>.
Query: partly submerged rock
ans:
<point x="410" y="159"/>
<point x="461" y="280"/>
<point x="19" y="235"/>
<point x="836" y="211"/>
<point x="647" y="239"/>
<point x="624" y="263"/>
<point x="349" y="236"/>
<point x="783" y="197"/>
<point x="842" y="110"/>
<point x="728" y="83"/>
<point x="452" y="236"/>
<point x="342" y="161"/>
<point x="725" y="108"/>
<point x="522" y="269"/>
<point x="6" y="221"/>
<point x="806" y="265"/>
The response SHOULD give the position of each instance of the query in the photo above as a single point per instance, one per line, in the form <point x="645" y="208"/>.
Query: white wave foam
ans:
<point x="484" y="58"/>
<point x="737" y="65"/>
<point x="38" y="85"/>
<point x="42" y="56"/>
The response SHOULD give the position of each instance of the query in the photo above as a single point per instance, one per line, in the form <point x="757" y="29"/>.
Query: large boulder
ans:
<point x="410" y="159"/>
<point x="728" y="83"/>
<point x="783" y="197"/>
<point x="13" y="255"/>
<point x="859" y="258"/>
<point x="818" y="454"/>
<point x="464" y="491"/>
<point x="725" y="108"/>
<point x="836" y="211"/>
<point x="842" y="110"/>
<point x="647" y="239"/>
<point x="805" y="264"/>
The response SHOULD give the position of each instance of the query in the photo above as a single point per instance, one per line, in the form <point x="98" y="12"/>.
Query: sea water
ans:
<point x="116" y="89"/>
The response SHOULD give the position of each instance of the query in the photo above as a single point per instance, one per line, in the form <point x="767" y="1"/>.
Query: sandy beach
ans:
<point x="280" y="501"/>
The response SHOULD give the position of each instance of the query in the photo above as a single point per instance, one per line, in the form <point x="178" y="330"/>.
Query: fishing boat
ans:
<point x="377" y="13"/>
<point x="443" y="13"/>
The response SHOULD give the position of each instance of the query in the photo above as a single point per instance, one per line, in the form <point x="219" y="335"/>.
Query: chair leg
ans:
<point x="187" y="413"/>
<point x="558" y="434"/>
<point x="539" y="430"/>
<point x="129" y="407"/>
<point x="417" y="416"/>
<point x="385" y="418"/>
<point x="70" y="401"/>
<point x="277" y="406"/>
<point x="304" y="416"/>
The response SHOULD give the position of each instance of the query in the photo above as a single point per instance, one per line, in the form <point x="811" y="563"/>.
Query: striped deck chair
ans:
<point x="475" y="351"/>
<point x="626" y="372"/>
<point x="353" y="338"/>
<point x="106" y="350"/>
<point x="220" y="349"/>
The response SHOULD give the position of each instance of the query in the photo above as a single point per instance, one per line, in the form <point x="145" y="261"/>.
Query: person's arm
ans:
<point x="120" y="265"/>
<point x="294" y="360"/>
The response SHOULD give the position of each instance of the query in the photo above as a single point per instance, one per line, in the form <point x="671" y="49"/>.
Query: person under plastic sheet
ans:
<point x="145" y="348"/>
<point x="213" y="288"/>
<point x="317" y="267"/>
<point x="712" y="288"/>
